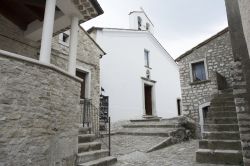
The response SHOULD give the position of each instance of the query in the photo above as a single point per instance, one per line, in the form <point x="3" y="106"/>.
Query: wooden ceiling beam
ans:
<point x="35" y="3"/>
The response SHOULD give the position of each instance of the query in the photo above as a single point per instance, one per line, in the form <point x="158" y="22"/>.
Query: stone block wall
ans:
<point x="238" y="20"/>
<point x="39" y="113"/>
<point x="217" y="53"/>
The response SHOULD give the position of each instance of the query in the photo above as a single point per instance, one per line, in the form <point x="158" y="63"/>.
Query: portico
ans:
<point x="40" y="20"/>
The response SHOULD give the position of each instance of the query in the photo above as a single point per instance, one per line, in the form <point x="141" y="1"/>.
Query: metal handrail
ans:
<point x="89" y="113"/>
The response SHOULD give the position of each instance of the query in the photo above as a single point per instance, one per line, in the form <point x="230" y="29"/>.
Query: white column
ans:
<point x="73" y="45"/>
<point x="48" y="23"/>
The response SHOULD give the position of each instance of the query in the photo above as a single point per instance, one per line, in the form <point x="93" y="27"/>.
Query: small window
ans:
<point x="146" y="57"/>
<point x="139" y="22"/>
<point x="198" y="71"/>
<point x="147" y="26"/>
<point x="64" y="38"/>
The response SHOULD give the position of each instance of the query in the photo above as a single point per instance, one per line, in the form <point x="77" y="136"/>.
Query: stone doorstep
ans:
<point x="89" y="146"/>
<point x="149" y="126"/>
<point x="228" y="120"/>
<point x="105" y="161"/>
<point x="222" y="135"/>
<point x="220" y="144"/>
<point x="231" y="157"/>
<point x="84" y="130"/>
<point x="221" y="127"/>
<point x="90" y="156"/>
<point x="86" y="138"/>
<point x="160" y="134"/>
<point x="145" y="120"/>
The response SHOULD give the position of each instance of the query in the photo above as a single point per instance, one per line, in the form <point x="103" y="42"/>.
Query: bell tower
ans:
<point x="139" y="20"/>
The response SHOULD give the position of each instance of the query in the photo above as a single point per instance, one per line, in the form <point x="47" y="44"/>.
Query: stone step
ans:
<point x="232" y="120"/>
<point x="149" y="126"/>
<point x="83" y="138"/>
<point x="221" y="127"/>
<point x="146" y="120"/>
<point x="89" y="146"/>
<point x="84" y="130"/>
<point x="222" y="99"/>
<point x="222" y="108"/>
<point x="230" y="157"/>
<point x="222" y="135"/>
<point x="229" y="90"/>
<point x="223" y="104"/>
<point x="105" y="161"/>
<point x="225" y="95"/>
<point x="163" y="132"/>
<point x="92" y="155"/>
<point x="220" y="144"/>
<point x="222" y="114"/>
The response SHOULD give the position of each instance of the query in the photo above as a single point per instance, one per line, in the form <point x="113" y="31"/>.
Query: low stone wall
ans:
<point x="39" y="110"/>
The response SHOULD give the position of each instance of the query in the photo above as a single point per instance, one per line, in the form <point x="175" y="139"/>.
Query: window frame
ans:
<point x="61" y="38"/>
<point x="146" y="59"/>
<point x="191" y="70"/>
<point x="147" y="26"/>
<point x="139" y="22"/>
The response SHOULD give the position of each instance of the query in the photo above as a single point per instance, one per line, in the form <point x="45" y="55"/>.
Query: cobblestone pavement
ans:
<point x="130" y="151"/>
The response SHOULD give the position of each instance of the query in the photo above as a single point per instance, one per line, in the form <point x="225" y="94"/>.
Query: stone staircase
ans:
<point x="90" y="152"/>
<point x="151" y="127"/>
<point x="221" y="140"/>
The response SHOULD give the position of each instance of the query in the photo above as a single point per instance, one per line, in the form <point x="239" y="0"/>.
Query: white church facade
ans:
<point x="138" y="74"/>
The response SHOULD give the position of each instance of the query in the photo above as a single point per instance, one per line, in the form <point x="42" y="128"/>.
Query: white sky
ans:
<point x="179" y="25"/>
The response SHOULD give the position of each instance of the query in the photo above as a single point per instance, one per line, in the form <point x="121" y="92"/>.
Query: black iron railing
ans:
<point x="97" y="118"/>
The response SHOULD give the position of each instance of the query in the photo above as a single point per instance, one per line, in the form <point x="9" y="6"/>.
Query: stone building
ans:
<point x="40" y="86"/>
<point x="202" y="71"/>
<point x="207" y="82"/>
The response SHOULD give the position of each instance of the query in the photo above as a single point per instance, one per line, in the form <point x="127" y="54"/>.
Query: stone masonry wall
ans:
<point x="88" y="59"/>
<point x="39" y="113"/>
<point x="218" y="58"/>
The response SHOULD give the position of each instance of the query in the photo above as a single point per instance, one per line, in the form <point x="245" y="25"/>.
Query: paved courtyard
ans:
<point x="131" y="151"/>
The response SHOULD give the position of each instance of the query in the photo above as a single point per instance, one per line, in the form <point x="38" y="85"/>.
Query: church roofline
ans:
<point x="133" y="30"/>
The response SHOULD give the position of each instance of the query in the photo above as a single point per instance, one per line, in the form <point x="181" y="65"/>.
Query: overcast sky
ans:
<point x="179" y="25"/>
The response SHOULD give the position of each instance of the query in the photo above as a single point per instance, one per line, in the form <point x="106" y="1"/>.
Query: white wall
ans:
<point x="123" y="67"/>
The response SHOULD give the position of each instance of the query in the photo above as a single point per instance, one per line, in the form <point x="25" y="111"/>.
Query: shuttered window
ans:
<point x="199" y="72"/>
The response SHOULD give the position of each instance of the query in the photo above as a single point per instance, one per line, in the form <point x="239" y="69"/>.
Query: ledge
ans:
<point x="36" y="62"/>
<point x="199" y="82"/>
<point x="146" y="79"/>
<point x="147" y="67"/>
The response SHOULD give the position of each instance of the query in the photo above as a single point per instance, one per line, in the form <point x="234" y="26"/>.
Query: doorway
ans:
<point x="82" y="75"/>
<point x="148" y="99"/>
